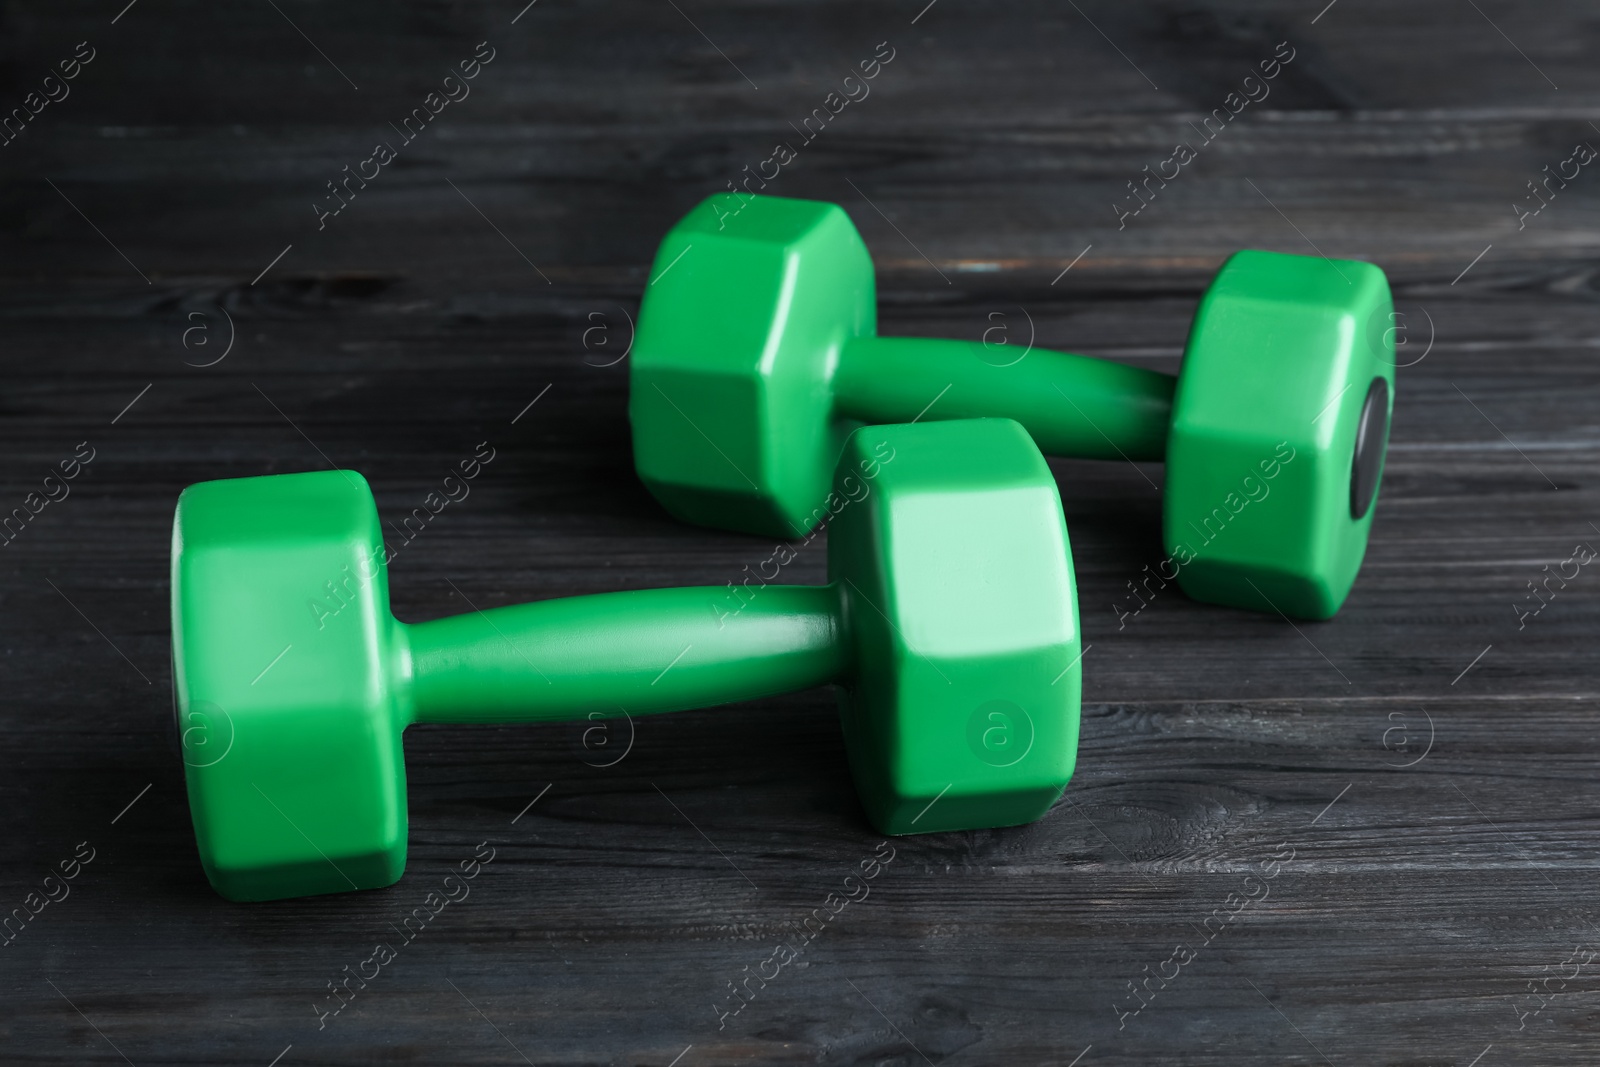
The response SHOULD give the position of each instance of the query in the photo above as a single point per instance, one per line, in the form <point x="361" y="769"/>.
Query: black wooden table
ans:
<point x="1369" y="840"/>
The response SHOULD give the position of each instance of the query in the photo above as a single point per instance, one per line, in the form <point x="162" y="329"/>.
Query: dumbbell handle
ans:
<point x="643" y="651"/>
<point x="1072" y="405"/>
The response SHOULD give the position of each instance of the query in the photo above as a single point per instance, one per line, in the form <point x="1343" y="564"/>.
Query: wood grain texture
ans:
<point x="1428" y="766"/>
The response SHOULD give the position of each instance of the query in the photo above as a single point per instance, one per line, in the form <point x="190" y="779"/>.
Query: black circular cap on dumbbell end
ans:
<point x="1372" y="436"/>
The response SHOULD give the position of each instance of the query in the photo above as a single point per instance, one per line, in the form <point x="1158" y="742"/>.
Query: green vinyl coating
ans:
<point x="1072" y="405"/>
<point x="639" y="652"/>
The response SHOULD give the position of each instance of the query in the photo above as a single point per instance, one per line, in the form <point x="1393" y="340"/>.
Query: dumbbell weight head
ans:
<point x="731" y="393"/>
<point x="1278" y="434"/>
<point x="288" y="689"/>
<point x="956" y="579"/>
<point x="951" y="604"/>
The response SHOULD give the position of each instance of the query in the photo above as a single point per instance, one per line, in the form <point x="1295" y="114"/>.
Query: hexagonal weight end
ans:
<point x="280" y="647"/>
<point x="731" y="395"/>
<point x="1289" y="368"/>
<point x="956" y="577"/>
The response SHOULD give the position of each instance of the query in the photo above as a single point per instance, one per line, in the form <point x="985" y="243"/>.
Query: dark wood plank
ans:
<point x="1429" y="765"/>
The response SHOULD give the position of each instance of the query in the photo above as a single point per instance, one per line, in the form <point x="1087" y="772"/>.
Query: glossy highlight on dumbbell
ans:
<point x="949" y="623"/>
<point x="757" y="355"/>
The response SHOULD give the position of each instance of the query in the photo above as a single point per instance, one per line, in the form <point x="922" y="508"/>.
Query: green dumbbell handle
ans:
<point x="1071" y="405"/>
<point x="643" y="651"/>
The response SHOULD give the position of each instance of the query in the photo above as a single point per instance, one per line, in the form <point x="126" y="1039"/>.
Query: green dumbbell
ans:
<point x="757" y="356"/>
<point x="950" y="624"/>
